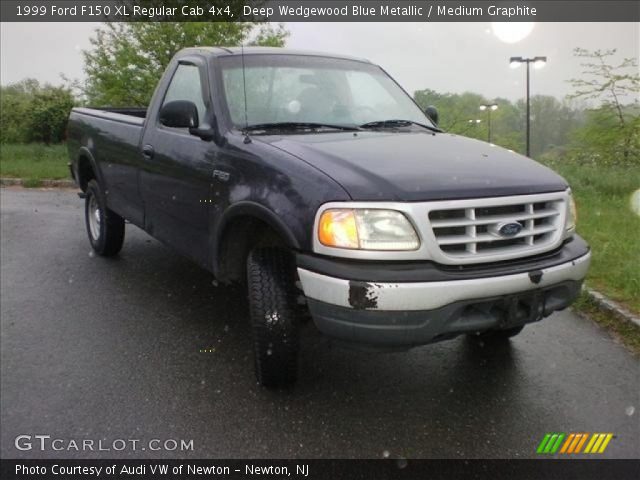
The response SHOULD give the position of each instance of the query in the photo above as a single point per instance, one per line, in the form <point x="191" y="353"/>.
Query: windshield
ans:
<point x="307" y="89"/>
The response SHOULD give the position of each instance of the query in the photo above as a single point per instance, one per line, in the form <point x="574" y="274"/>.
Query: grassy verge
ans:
<point x="34" y="162"/>
<point x="607" y="222"/>
<point x="626" y="332"/>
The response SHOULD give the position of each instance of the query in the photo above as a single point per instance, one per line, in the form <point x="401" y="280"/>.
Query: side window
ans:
<point x="186" y="85"/>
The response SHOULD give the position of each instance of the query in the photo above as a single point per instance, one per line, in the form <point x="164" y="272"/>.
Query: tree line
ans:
<point x="597" y="123"/>
<point x="592" y="124"/>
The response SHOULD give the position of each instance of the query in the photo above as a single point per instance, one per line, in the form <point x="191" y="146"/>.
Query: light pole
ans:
<point x="538" y="62"/>
<point x="489" y="108"/>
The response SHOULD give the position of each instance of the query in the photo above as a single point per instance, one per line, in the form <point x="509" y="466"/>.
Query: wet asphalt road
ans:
<point x="113" y="349"/>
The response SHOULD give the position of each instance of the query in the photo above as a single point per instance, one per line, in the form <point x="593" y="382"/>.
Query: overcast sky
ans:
<point x="446" y="57"/>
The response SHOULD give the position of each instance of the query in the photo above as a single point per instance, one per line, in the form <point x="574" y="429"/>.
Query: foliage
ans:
<point x="552" y="122"/>
<point x="607" y="220"/>
<point x="608" y="133"/>
<point x="604" y="140"/>
<point x="612" y="131"/>
<point x="30" y="112"/>
<point x="128" y="59"/>
<point x="459" y="114"/>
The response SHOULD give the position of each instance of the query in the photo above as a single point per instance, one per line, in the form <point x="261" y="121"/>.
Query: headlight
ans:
<point x="366" y="229"/>
<point x="572" y="216"/>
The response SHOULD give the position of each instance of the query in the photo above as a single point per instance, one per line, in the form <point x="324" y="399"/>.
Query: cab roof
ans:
<point x="228" y="51"/>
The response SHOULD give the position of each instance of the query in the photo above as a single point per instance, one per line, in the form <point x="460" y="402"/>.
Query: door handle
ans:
<point x="147" y="152"/>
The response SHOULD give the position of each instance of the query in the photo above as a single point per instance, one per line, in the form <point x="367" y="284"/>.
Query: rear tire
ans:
<point x="274" y="324"/>
<point x="104" y="227"/>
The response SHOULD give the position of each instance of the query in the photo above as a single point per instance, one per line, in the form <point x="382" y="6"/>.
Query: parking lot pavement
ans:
<point x="145" y="346"/>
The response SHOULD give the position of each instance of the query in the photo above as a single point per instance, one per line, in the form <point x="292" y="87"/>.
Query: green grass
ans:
<point x="626" y="332"/>
<point x="34" y="162"/>
<point x="607" y="222"/>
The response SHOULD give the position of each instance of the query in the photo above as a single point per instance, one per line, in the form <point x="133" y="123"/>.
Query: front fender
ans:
<point x="242" y="212"/>
<point x="252" y="209"/>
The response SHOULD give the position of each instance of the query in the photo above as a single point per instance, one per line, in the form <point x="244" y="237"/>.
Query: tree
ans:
<point x="610" y="85"/>
<point x="459" y="112"/>
<point x="127" y="59"/>
<point x="552" y="121"/>
<point x="50" y="109"/>
<point x="15" y="101"/>
<point x="30" y="112"/>
<point x="455" y="110"/>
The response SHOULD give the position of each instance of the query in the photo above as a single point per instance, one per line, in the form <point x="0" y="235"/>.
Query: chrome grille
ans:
<point x="464" y="233"/>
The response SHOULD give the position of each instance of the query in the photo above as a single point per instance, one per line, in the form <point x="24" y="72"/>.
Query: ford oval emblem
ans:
<point x="510" y="229"/>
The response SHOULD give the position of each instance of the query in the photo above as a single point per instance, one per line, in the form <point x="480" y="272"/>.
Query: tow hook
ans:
<point x="535" y="276"/>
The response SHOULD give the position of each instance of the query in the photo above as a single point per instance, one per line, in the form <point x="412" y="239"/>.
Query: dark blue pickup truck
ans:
<point x="317" y="181"/>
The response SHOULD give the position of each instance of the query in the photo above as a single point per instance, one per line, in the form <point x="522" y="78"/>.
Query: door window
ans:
<point x="187" y="85"/>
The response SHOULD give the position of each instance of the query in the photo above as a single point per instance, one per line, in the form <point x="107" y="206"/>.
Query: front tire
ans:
<point x="273" y="307"/>
<point x="104" y="227"/>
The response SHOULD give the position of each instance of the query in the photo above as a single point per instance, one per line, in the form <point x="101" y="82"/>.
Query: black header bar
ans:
<point x="320" y="11"/>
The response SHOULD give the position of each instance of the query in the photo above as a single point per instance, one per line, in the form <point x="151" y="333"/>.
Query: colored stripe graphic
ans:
<point x="573" y="443"/>
<point x="543" y="443"/>
<point x="606" y="441"/>
<point x="594" y="437"/>
<point x="598" y="443"/>
<point x="576" y="439"/>
<point x="556" y="446"/>
<point x="550" y="443"/>
<point x="567" y="443"/>
<point x="581" y="442"/>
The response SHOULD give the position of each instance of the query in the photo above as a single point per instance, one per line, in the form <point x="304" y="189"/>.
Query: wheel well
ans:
<point x="85" y="172"/>
<point x="240" y="236"/>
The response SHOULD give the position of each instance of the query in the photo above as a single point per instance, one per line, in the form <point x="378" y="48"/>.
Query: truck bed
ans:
<point x="130" y="115"/>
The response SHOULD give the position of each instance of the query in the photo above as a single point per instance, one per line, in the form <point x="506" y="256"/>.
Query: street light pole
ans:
<point x="538" y="62"/>
<point x="528" y="112"/>
<point x="489" y="108"/>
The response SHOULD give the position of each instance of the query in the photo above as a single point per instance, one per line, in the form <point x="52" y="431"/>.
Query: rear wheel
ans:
<point x="104" y="227"/>
<point x="274" y="323"/>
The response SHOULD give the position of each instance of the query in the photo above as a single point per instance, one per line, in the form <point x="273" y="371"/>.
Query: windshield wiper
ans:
<point x="298" y="126"/>
<point x="395" y="123"/>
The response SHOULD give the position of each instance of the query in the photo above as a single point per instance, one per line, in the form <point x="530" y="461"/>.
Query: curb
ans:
<point x="610" y="306"/>
<point x="19" y="182"/>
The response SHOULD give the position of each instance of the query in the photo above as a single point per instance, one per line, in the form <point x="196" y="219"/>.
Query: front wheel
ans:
<point x="104" y="227"/>
<point x="273" y="307"/>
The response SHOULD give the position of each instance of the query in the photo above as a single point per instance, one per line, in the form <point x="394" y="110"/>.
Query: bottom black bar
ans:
<point x="546" y="469"/>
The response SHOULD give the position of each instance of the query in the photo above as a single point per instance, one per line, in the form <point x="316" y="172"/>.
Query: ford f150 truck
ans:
<point x="319" y="183"/>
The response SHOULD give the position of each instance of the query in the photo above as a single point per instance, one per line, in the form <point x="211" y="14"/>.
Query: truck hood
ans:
<point x="418" y="166"/>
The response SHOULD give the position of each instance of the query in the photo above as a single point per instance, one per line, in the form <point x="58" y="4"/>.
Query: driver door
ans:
<point x="177" y="169"/>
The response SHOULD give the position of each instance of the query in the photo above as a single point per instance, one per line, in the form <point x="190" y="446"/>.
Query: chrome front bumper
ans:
<point x="431" y="295"/>
<point x="406" y="314"/>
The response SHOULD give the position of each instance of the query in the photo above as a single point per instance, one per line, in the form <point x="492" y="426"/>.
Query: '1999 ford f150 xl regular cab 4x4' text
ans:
<point x="319" y="183"/>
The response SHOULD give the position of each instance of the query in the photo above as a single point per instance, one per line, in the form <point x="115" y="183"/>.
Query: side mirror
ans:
<point x="432" y="113"/>
<point x="179" y="114"/>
